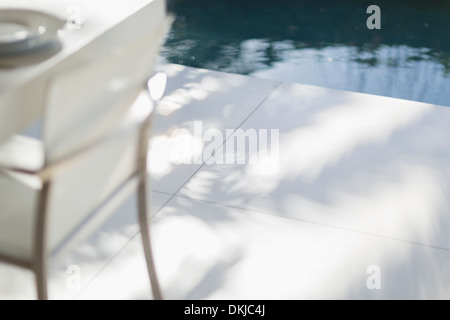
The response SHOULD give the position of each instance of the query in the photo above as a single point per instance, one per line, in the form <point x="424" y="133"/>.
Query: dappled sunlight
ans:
<point x="179" y="247"/>
<point x="350" y="175"/>
<point x="363" y="169"/>
<point x="187" y="249"/>
<point x="174" y="102"/>
<point x="202" y="184"/>
<point x="335" y="133"/>
<point x="94" y="254"/>
<point x="171" y="70"/>
<point x="89" y="258"/>
<point x="181" y="147"/>
<point x="124" y="279"/>
<point x="237" y="185"/>
<point x="229" y="253"/>
<point x="217" y="101"/>
<point x="345" y="188"/>
<point x="280" y="264"/>
<point x="402" y="201"/>
<point x="331" y="135"/>
<point x="207" y="251"/>
<point x="190" y="92"/>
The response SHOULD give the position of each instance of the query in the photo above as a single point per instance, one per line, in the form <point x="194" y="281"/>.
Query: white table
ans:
<point x="106" y="24"/>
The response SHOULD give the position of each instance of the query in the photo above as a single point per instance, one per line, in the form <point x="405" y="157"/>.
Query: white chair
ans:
<point x="92" y="156"/>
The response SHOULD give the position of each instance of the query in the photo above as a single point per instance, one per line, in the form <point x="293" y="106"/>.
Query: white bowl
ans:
<point x="26" y="30"/>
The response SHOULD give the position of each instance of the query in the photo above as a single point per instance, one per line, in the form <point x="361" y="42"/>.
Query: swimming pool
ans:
<point x="324" y="43"/>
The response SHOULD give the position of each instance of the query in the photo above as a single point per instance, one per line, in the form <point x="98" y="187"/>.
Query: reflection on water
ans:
<point x="387" y="71"/>
<point x="321" y="43"/>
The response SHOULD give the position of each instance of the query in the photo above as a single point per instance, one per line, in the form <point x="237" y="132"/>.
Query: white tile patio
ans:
<point x="211" y="251"/>
<point x="89" y="257"/>
<point x="360" y="162"/>
<point x="359" y="181"/>
<point x="219" y="100"/>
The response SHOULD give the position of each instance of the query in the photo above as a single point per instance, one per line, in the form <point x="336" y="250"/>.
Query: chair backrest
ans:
<point x="88" y="94"/>
<point x="88" y="99"/>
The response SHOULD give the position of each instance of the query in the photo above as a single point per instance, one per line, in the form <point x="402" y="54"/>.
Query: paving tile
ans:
<point x="216" y="100"/>
<point x="207" y="251"/>
<point x="71" y="273"/>
<point x="355" y="161"/>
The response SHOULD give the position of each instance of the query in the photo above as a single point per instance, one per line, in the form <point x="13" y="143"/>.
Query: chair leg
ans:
<point x="41" y="283"/>
<point x="146" y="241"/>
<point x="40" y="254"/>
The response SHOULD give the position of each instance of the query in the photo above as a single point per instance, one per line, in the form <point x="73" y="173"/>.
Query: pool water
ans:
<point x="324" y="43"/>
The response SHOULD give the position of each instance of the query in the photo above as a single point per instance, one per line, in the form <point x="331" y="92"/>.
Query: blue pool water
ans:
<point x="324" y="43"/>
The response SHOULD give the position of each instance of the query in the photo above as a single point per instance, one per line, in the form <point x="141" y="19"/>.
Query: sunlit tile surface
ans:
<point x="352" y="205"/>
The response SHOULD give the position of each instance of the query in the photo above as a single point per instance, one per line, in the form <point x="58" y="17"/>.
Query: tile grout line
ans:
<point x="104" y="266"/>
<point x="121" y="249"/>
<point x="221" y="146"/>
<point x="175" y="194"/>
<point x="162" y="192"/>
<point x="272" y="214"/>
